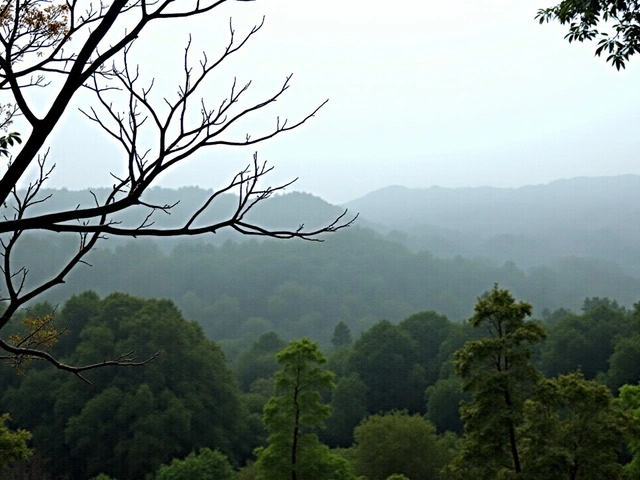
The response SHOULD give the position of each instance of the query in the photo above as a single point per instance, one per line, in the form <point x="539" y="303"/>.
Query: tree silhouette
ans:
<point x="62" y="48"/>
<point x="616" y="25"/>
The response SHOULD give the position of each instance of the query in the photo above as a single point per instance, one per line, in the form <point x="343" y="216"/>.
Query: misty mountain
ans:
<point x="357" y="275"/>
<point x="590" y="218"/>
<point x="533" y="225"/>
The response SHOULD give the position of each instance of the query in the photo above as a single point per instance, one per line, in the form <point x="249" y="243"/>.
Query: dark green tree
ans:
<point x="341" y="335"/>
<point x="259" y="361"/>
<point x="624" y="363"/>
<point x="585" y="341"/>
<point x="443" y="404"/>
<point x="184" y="400"/>
<point x="629" y="400"/>
<point x="429" y="330"/>
<point x="386" y="359"/>
<point x="498" y="372"/>
<point x="573" y="430"/>
<point x="348" y="408"/>
<point x="293" y="415"/>
<point x="614" y="24"/>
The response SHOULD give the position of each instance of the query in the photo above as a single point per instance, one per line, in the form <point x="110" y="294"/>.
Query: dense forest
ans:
<point x="391" y="394"/>
<point x="397" y="348"/>
<point x="297" y="289"/>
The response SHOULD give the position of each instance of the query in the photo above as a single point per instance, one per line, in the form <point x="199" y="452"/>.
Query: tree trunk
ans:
<point x="512" y="436"/>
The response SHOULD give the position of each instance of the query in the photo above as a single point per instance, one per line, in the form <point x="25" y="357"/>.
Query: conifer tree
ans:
<point x="293" y="414"/>
<point x="498" y="373"/>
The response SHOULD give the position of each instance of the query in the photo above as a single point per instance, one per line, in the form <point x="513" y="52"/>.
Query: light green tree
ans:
<point x="401" y="444"/>
<point x="497" y="371"/>
<point x="629" y="400"/>
<point x="293" y="415"/>
<point x="13" y="444"/>
<point x="207" y="464"/>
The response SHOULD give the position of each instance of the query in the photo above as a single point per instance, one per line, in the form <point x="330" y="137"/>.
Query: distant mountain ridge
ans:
<point x="574" y="201"/>
<point x="363" y="275"/>
<point x="595" y="217"/>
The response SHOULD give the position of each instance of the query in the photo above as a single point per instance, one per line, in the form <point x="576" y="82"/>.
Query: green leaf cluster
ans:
<point x="615" y="22"/>
<point x="13" y="444"/>
<point x="206" y="464"/>
<point x="7" y="141"/>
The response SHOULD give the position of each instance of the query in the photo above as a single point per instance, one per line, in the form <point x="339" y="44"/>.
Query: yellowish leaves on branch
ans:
<point x="39" y="333"/>
<point x="49" y="21"/>
<point x="52" y="19"/>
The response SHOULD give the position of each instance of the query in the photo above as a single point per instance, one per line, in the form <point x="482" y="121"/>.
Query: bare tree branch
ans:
<point x="124" y="360"/>
<point x="41" y="40"/>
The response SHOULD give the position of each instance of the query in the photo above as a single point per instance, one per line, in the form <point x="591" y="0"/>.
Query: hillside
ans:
<point x="587" y="217"/>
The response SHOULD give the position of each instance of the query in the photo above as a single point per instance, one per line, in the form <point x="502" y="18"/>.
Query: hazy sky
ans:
<point x="456" y="93"/>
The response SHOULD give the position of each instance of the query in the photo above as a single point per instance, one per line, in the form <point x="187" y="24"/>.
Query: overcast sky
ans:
<point x="457" y="93"/>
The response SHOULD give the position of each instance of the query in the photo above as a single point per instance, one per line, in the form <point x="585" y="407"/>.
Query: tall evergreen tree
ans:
<point x="341" y="335"/>
<point x="292" y="415"/>
<point x="498" y="373"/>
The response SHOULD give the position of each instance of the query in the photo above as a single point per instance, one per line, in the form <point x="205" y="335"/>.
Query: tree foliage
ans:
<point x="573" y="430"/>
<point x="186" y="399"/>
<point x="7" y="141"/>
<point x="398" y="443"/>
<point x="429" y="330"/>
<point x="629" y="400"/>
<point x="348" y="408"/>
<point x="615" y="24"/>
<point x="341" y="335"/>
<point x="207" y="464"/>
<point x="498" y="372"/>
<point x="386" y="359"/>
<point x="13" y="444"/>
<point x="259" y="361"/>
<point x="624" y="363"/>
<point x="585" y="341"/>
<point x="443" y="404"/>
<point x="292" y="416"/>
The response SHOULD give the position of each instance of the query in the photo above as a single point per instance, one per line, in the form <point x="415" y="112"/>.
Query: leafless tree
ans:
<point x="63" y="47"/>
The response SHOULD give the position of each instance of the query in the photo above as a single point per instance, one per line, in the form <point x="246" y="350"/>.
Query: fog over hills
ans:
<point x="592" y="218"/>
<point x="587" y="217"/>
<point x="409" y="250"/>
